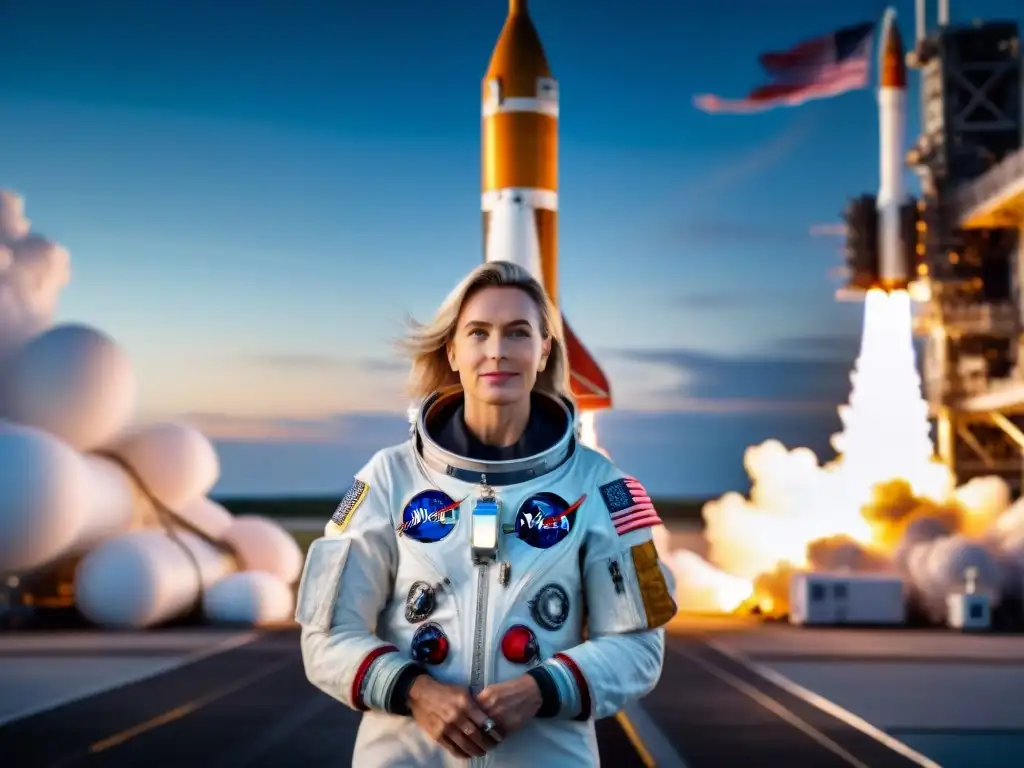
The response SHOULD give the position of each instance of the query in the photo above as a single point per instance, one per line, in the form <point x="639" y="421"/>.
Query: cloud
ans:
<point x="703" y="231"/>
<point x="841" y="347"/>
<point x="327" y="363"/>
<point x="828" y="230"/>
<point x="676" y="454"/>
<point x="800" y="375"/>
<point x="803" y="378"/>
<point x="733" y="298"/>
<point x="331" y="428"/>
<point x="701" y="454"/>
<point x="783" y="381"/>
<point x="739" y="167"/>
<point x="33" y="271"/>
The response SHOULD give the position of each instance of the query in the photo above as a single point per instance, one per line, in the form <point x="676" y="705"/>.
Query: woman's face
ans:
<point x="497" y="348"/>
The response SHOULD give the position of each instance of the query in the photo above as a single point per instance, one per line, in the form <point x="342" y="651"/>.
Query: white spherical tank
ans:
<point x="208" y="516"/>
<point x="114" y="503"/>
<point x="44" y="497"/>
<point x="263" y="545"/>
<point x="176" y="462"/>
<point x="145" y="578"/>
<point x="74" y="382"/>
<point x="251" y="597"/>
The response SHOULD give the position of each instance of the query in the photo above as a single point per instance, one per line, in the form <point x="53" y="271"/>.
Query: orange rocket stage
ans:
<point x="520" y="177"/>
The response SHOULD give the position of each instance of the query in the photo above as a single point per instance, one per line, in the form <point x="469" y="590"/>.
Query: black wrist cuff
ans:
<point x="398" y="701"/>
<point x="551" y="700"/>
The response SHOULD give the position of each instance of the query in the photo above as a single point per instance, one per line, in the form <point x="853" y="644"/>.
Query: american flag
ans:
<point x="629" y="505"/>
<point x="812" y="69"/>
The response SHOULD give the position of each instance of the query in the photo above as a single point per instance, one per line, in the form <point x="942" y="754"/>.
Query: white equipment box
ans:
<point x="847" y="598"/>
<point x="970" y="609"/>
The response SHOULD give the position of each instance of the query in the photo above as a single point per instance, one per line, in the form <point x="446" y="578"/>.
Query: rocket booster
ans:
<point x="892" y="125"/>
<point x="882" y="229"/>
<point x="519" y="197"/>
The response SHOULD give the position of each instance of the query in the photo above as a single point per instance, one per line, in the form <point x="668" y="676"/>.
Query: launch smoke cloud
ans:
<point x="33" y="272"/>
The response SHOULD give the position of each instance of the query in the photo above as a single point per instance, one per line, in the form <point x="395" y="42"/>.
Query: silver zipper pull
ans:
<point x="484" y="524"/>
<point x="504" y="573"/>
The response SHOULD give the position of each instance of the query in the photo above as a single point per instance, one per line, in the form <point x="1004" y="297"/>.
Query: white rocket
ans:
<point x="893" y="272"/>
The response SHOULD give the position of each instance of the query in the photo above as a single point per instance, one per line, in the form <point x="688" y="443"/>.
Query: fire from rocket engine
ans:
<point x="884" y="505"/>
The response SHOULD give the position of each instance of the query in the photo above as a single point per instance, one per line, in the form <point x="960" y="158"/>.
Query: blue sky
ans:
<point x="254" y="199"/>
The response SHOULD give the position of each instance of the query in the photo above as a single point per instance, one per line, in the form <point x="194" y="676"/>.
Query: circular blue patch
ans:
<point x="545" y="519"/>
<point x="429" y="516"/>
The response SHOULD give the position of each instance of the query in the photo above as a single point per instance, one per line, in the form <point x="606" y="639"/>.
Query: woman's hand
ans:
<point x="451" y="717"/>
<point x="511" y="704"/>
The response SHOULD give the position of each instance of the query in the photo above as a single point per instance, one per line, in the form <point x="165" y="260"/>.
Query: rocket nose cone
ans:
<point x="892" y="67"/>
<point x="518" y="59"/>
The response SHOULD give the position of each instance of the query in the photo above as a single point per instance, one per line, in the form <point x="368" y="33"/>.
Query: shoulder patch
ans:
<point x="349" y="504"/>
<point x="659" y="606"/>
<point x="629" y="505"/>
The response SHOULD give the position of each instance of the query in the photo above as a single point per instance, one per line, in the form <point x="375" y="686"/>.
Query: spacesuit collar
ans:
<point x="493" y="473"/>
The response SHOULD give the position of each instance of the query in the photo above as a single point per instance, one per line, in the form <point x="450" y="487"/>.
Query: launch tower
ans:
<point x="968" y="235"/>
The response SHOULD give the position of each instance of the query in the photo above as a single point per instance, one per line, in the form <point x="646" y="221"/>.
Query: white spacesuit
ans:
<point x="480" y="572"/>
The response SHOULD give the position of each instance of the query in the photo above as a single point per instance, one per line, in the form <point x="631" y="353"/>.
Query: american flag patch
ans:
<point x="630" y="505"/>
<point x="351" y="500"/>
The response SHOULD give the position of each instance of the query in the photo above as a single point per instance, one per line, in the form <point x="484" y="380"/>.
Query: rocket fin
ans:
<point x="589" y="384"/>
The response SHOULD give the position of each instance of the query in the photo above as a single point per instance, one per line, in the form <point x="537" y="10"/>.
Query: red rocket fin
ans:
<point x="589" y="384"/>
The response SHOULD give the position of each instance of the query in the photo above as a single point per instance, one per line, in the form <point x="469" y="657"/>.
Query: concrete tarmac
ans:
<point x="251" y="705"/>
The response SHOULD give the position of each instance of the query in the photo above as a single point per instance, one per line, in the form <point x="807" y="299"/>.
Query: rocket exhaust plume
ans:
<point x="885" y="504"/>
<point x="886" y="432"/>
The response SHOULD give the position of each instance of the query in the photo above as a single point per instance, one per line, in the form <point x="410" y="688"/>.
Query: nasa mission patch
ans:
<point x="349" y="504"/>
<point x="429" y="516"/>
<point x="545" y="519"/>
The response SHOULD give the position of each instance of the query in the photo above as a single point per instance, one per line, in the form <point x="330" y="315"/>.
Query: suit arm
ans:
<point x="346" y="583"/>
<point x="629" y="594"/>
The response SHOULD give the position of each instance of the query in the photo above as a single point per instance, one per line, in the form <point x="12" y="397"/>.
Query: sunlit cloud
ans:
<point x="301" y="397"/>
<point x="799" y="375"/>
<point x="266" y="429"/>
<point x="326" y="363"/>
<point x="740" y="166"/>
<point x="828" y="230"/>
<point x="334" y="428"/>
<point x="305" y="387"/>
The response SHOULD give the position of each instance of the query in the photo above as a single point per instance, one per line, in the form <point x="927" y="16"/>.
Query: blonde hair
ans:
<point x="427" y="344"/>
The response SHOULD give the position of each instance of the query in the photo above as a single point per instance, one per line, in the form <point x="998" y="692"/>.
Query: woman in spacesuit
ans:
<point x="489" y="588"/>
